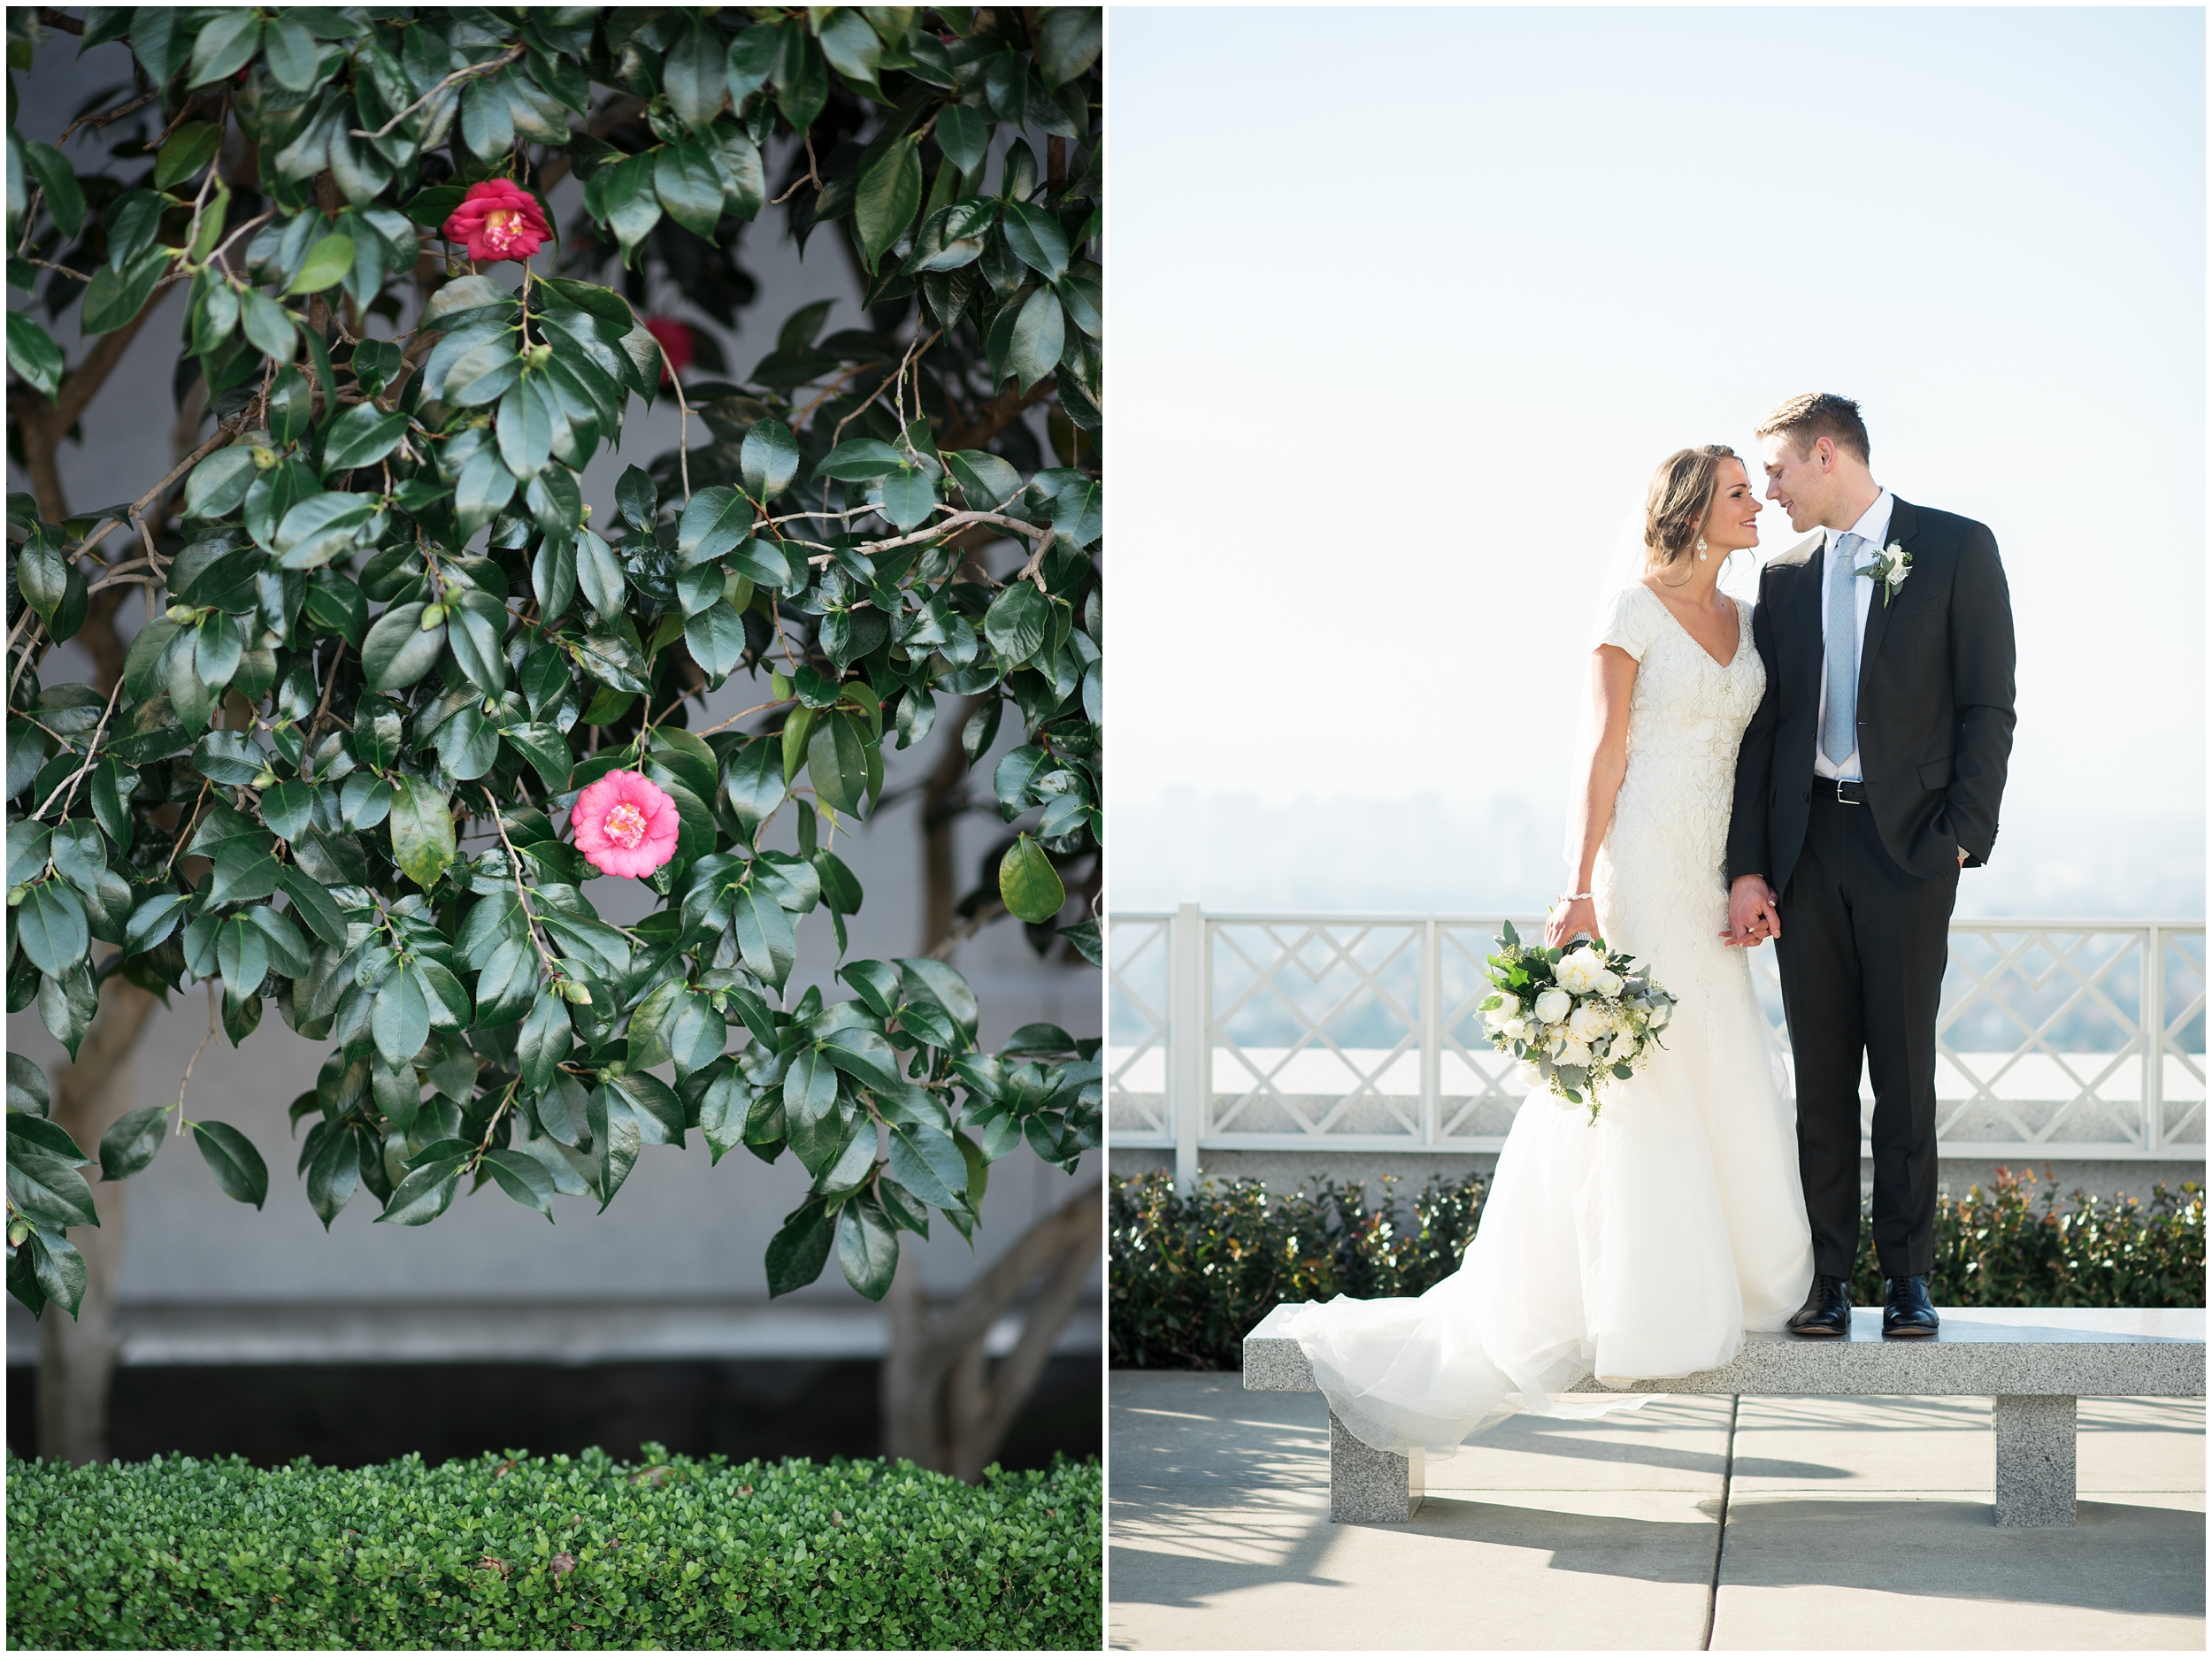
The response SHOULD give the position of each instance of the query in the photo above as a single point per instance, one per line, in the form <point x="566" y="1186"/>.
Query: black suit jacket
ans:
<point x="1934" y="705"/>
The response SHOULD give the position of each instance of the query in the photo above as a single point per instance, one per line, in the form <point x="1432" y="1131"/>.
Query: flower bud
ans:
<point x="181" y="613"/>
<point x="432" y="617"/>
<point x="264" y="458"/>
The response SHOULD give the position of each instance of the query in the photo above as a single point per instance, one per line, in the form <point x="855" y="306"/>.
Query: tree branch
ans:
<point x="996" y="415"/>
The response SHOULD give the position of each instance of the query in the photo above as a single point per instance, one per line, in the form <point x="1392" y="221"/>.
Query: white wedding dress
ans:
<point x="1643" y="1246"/>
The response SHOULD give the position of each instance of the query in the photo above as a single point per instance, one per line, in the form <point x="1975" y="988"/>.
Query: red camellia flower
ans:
<point x="675" y="340"/>
<point x="624" y="824"/>
<point x="498" y="219"/>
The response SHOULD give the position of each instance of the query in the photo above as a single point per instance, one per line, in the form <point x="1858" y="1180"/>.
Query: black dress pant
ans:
<point x="1863" y="951"/>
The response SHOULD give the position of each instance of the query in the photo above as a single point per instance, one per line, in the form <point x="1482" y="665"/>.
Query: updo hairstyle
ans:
<point x="1675" y="505"/>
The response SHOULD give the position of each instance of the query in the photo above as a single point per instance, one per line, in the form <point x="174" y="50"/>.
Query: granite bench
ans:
<point x="2033" y="1362"/>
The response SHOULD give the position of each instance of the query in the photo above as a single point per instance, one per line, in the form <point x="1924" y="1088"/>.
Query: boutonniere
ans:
<point x="1890" y="567"/>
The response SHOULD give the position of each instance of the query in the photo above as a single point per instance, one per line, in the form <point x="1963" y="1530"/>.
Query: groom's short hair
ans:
<point x="1811" y="416"/>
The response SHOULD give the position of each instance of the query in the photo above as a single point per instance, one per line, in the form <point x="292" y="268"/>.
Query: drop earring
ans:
<point x="1701" y="549"/>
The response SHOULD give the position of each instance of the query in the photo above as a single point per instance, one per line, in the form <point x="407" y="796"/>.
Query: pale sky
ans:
<point x="1406" y="305"/>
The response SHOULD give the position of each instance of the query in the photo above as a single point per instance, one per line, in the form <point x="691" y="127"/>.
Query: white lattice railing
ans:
<point x="1349" y="1032"/>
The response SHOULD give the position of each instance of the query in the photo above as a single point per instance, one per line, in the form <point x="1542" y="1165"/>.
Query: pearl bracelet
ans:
<point x="1575" y="897"/>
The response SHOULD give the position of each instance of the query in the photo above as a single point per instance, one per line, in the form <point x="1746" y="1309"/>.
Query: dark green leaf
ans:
<point x="885" y="200"/>
<point x="769" y="459"/>
<point x="224" y="46"/>
<point x="690" y="189"/>
<point x="132" y="1141"/>
<point x="544" y="1041"/>
<point x="32" y="353"/>
<point x="523" y="1178"/>
<point x="425" y="1194"/>
<point x="965" y="135"/>
<point x="929" y="1164"/>
<point x="1017" y="623"/>
<point x="798" y="1251"/>
<point x="46" y="1187"/>
<point x="332" y="1174"/>
<point x="50" y="925"/>
<point x="867" y="1247"/>
<point x="397" y="651"/>
<point x="231" y="1158"/>
<point x="1039" y="332"/>
<point x="399" y="1019"/>
<point x="64" y="196"/>
<point x="361" y="436"/>
<point x="114" y="297"/>
<point x="27" y="1091"/>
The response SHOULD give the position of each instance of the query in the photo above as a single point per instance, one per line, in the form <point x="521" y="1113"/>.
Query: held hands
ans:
<point x="1753" y="913"/>
<point x="1577" y="914"/>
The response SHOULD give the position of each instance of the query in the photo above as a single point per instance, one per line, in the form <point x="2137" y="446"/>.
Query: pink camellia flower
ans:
<point x="624" y="824"/>
<point x="675" y="341"/>
<point x="498" y="219"/>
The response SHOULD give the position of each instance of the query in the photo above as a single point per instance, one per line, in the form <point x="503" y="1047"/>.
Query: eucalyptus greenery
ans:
<point x="387" y="642"/>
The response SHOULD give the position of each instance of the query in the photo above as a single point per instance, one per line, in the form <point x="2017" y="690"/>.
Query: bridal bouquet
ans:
<point x="1573" y="1017"/>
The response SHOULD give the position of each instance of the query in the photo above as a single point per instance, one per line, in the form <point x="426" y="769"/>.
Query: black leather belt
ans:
<point x="1845" y="793"/>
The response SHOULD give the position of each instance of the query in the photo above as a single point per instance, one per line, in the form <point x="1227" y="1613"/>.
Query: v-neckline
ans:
<point x="1693" y="638"/>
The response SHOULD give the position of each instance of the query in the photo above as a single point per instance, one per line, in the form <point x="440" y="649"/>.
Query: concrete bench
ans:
<point x="2033" y="1362"/>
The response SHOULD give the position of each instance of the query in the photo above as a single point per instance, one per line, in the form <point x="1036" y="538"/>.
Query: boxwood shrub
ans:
<point x="1189" y="1274"/>
<point x="550" y="1552"/>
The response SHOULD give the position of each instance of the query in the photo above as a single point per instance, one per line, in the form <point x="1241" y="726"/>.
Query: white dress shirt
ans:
<point x="1872" y="531"/>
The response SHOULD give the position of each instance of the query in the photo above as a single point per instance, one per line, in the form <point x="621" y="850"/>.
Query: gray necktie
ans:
<point x="1839" y="731"/>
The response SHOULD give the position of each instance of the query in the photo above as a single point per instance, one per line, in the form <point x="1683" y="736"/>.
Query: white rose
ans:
<point x="1578" y="971"/>
<point x="1588" y="1022"/>
<point x="1661" y="1011"/>
<point x="1608" y="983"/>
<point x="1575" y="1053"/>
<point x="1553" y="1005"/>
<point x="1532" y="1076"/>
<point x="1515" y="1030"/>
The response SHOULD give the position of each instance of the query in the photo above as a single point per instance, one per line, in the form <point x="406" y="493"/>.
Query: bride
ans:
<point x="1645" y="1245"/>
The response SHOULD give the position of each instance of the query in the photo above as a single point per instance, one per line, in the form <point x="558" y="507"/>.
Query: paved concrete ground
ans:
<point x="1851" y="1524"/>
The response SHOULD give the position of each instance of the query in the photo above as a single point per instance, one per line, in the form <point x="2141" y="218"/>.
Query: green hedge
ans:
<point x="555" y="1553"/>
<point x="1190" y="1274"/>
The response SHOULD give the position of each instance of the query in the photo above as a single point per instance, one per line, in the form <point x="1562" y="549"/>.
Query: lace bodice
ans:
<point x="1663" y="850"/>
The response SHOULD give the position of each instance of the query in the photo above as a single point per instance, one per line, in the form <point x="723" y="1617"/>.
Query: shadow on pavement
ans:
<point x="2116" y="1557"/>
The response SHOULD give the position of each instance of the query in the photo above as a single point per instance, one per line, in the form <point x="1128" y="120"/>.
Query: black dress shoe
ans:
<point x="1826" y="1313"/>
<point x="1906" y="1309"/>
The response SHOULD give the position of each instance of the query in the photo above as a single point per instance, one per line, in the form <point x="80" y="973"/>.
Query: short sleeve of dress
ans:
<point x="1628" y="622"/>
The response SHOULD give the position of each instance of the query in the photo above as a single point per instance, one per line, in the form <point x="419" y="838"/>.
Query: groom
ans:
<point x="1868" y="776"/>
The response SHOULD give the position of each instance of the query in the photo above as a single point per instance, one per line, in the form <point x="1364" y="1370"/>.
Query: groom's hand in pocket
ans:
<point x="1754" y="916"/>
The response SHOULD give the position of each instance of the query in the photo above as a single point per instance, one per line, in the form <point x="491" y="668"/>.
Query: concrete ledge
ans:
<point x="1981" y="1352"/>
<point x="2033" y="1362"/>
<point x="562" y="1332"/>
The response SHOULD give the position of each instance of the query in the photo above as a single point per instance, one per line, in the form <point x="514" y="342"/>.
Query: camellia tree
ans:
<point x="401" y="697"/>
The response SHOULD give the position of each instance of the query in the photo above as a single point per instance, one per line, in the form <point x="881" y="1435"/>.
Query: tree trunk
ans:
<point x="943" y="802"/>
<point x="76" y="1356"/>
<point x="945" y="1405"/>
